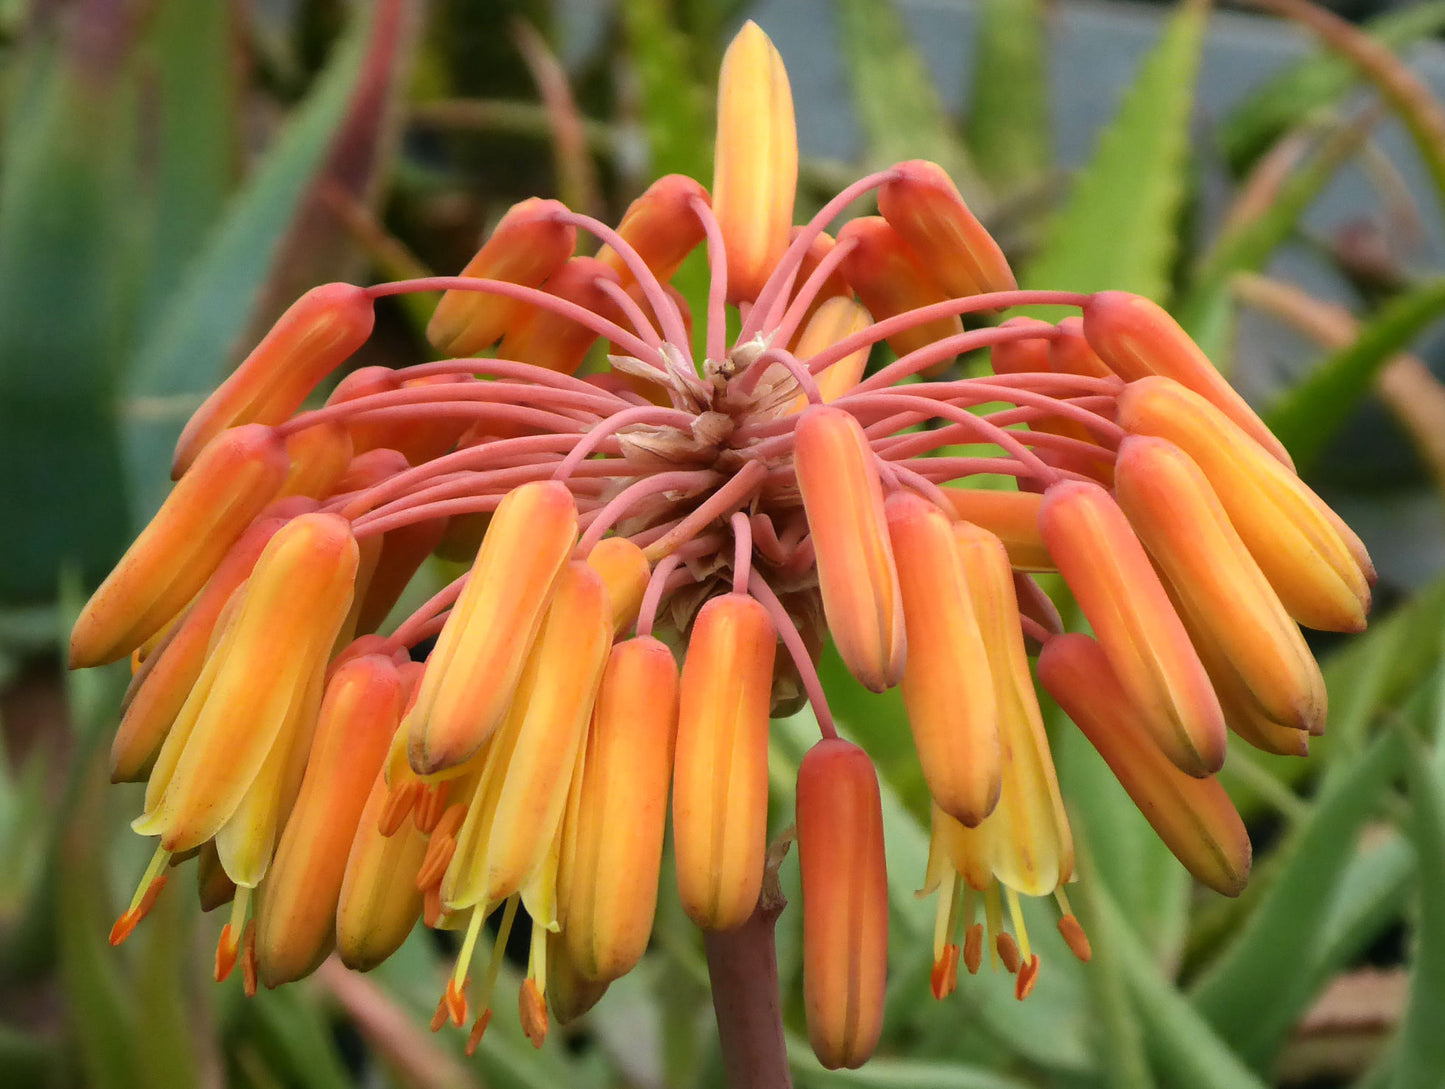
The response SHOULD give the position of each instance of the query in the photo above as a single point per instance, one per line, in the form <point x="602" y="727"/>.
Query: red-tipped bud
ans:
<point x="1012" y="517"/>
<point x="1121" y="596"/>
<point x="720" y="774"/>
<point x="550" y="340"/>
<point x="296" y="912"/>
<point x="890" y="280"/>
<point x="843" y="499"/>
<point x="1137" y="338"/>
<point x="947" y="688"/>
<point x="472" y="672"/>
<point x="755" y="172"/>
<point x="316" y="335"/>
<point x="1220" y="587"/>
<point x="661" y="226"/>
<point x="1029" y="356"/>
<point x="845" y="902"/>
<point x="920" y="202"/>
<point x="612" y="842"/>
<point x="236" y="477"/>
<point x="1194" y="817"/>
<point x="1320" y="573"/>
<point x="529" y="244"/>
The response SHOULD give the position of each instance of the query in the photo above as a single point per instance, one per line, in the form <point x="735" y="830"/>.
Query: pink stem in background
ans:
<point x="474" y="504"/>
<point x="673" y="328"/>
<point x="971" y="304"/>
<point x="921" y="484"/>
<point x="728" y="498"/>
<point x="652" y="596"/>
<point x="649" y="414"/>
<point x="782" y="334"/>
<point x="628" y="305"/>
<point x="505" y="368"/>
<point x="793" y="641"/>
<point x="717" y="292"/>
<point x="406" y="632"/>
<point x="683" y="480"/>
<point x="603" y="327"/>
<point x="742" y="551"/>
<point x="788" y="265"/>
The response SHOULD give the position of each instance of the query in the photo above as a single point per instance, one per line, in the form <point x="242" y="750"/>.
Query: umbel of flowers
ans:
<point x="661" y="549"/>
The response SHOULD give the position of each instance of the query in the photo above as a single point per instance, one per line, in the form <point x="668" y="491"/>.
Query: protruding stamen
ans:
<point x="1016" y="916"/>
<point x="973" y="948"/>
<point x="1028" y="976"/>
<point x="1008" y="951"/>
<point x="249" y="967"/>
<point x="146" y="894"/>
<point x="228" y="947"/>
<point x="431" y="804"/>
<point x="944" y="978"/>
<point x="479" y="1029"/>
<point x="1072" y="931"/>
<point x="532" y="1008"/>
<point x="399" y="803"/>
<point x="993" y="918"/>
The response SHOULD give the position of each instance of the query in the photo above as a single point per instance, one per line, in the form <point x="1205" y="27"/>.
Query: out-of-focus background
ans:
<point x="173" y="172"/>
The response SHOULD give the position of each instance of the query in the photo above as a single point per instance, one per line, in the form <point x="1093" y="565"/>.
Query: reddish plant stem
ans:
<point x="743" y="967"/>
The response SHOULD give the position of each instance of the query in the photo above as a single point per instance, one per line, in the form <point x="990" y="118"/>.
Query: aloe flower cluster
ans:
<point x="662" y="547"/>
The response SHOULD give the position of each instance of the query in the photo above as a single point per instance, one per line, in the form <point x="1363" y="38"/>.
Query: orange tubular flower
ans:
<point x="947" y="688"/>
<point x="834" y="287"/>
<point x="832" y="321"/>
<point x="316" y="335"/>
<point x="514" y="815"/>
<point x="661" y="226"/>
<point x="232" y="728"/>
<point x="471" y="674"/>
<point x="1106" y="567"/>
<point x="1012" y="517"/>
<point x="159" y="691"/>
<point x="1193" y="817"/>
<point x="296" y="913"/>
<point x="890" y="279"/>
<point x="1136" y="338"/>
<point x="612" y="843"/>
<point x="550" y="340"/>
<point x="319" y="458"/>
<point x="844" y="503"/>
<point x="1182" y="523"/>
<point x="921" y="203"/>
<point x="379" y="901"/>
<point x="1321" y="575"/>
<point x="756" y="162"/>
<point x="845" y="902"/>
<point x="720" y="774"/>
<point x="176" y="553"/>
<point x="625" y="570"/>
<point x="526" y="247"/>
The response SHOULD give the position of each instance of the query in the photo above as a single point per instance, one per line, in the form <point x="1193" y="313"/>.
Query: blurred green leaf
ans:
<point x="1308" y="415"/>
<point x="188" y="348"/>
<point x="1186" y="1052"/>
<point x="1118" y="229"/>
<point x="66" y="254"/>
<point x="676" y="105"/>
<point x="1316" y="82"/>
<point x="895" y="98"/>
<point x="1008" y="121"/>
<point x="1420" y="1050"/>
<point x="1254" y="993"/>
<point x="883" y="1073"/>
<point x="197" y="154"/>
<point x="1206" y="308"/>
<point x="286" y="1027"/>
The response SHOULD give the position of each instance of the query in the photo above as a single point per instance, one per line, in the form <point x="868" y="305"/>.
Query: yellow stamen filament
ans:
<point x="146" y="894"/>
<point x="228" y="948"/>
<point x="993" y="917"/>
<point x="1017" y="917"/>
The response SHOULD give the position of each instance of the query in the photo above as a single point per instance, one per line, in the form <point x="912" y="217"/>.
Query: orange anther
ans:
<point x="944" y="978"/>
<point x="532" y="1008"/>
<point x="431" y="911"/>
<point x="1028" y="976"/>
<point x="439" y="852"/>
<point x="456" y="1000"/>
<point x="128" y="921"/>
<point x="248" y="960"/>
<point x="439" y="1018"/>
<point x="1073" y="934"/>
<point x="973" y="949"/>
<point x="228" y="949"/>
<point x="430" y="805"/>
<point x="399" y="804"/>
<point x="479" y="1029"/>
<point x="1008" y="952"/>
